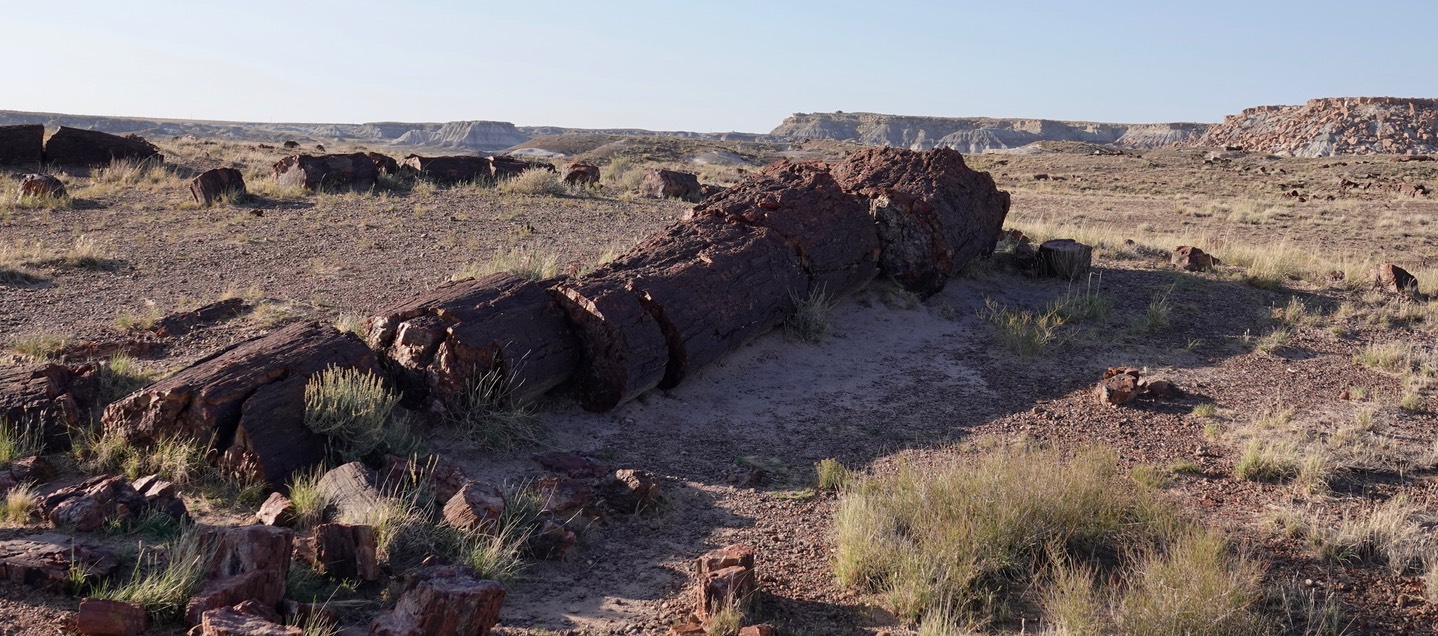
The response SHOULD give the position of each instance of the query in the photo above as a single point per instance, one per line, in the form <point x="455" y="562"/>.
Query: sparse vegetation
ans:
<point x="354" y="407"/>
<point x="164" y="579"/>
<point x="310" y="503"/>
<point x="20" y="439"/>
<point x="1023" y="331"/>
<point x="21" y="504"/>
<point x="485" y="419"/>
<point x="810" y="320"/>
<point x="535" y="181"/>
<point x="526" y="263"/>
<point x="833" y="475"/>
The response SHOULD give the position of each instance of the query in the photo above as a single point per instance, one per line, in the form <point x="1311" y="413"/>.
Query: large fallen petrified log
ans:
<point x="75" y="146"/>
<point x="831" y="229"/>
<point x="448" y="170"/>
<point x="934" y="214"/>
<point x="47" y="400"/>
<point x="625" y="352"/>
<point x="501" y="334"/>
<point x="250" y="396"/>
<point x="503" y="167"/>
<point x="331" y="172"/>
<point x="22" y="145"/>
<point x="385" y="164"/>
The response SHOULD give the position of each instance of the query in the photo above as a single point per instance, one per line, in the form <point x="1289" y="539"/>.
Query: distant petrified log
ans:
<point x="291" y="144"/>
<point x="1192" y="259"/>
<point x="934" y="214"/>
<point x="582" y="174"/>
<point x="448" y="600"/>
<point x="385" y="164"/>
<point x="712" y="287"/>
<point x="74" y="146"/>
<point x="327" y="172"/>
<point x="51" y="398"/>
<point x="830" y="229"/>
<point x="22" y="145"/>
<point x="1392" y="278"/>
<point x="217" y="184"/>
<point x="669" y="184"/>
<point x="449" y="170"/>
<point x="1064" y="258"/>
<point x="501" y="327"/>
<point x="503" y="167"/>
<point x="250" y="397"/>
<point x="40" y="186"/>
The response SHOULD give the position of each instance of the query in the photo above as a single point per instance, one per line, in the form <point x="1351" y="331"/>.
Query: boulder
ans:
<point x="759" y="630"/>
<point x="244" y="563"/>
<point x="102" y="617"/>
<point x="161" y="496"/>
<point x="181" y="323"/>
<point x="51" y="561"/>
<point x="384" y="164"/>
<point x="934" y="215"/>
<point x="346" y="551"/>
<point x="1118" y="389"/>
<point x="446" y="600"/>
<point x="22" y="145"/>
<point x="291" y="144"/>
<point x="89" y="505"/>
<point x="1192" y="259"/>
<point x="1064" y="258"/>
<point x="630" y="491"/>
<point x="53" y="398"/>
<point x="669" y="184"/>
<point x="40" y="186"/>
<point x="249" y="397"/>
<point x="34" y="469"/>
<point x="353" y="489"/>
<point x="217" y="185"/>
<point x="278" y="510"/>
<point x="1395" y="279"/>
<point x="836" y="239"/>
<point x="74" y="146"/>
<point x="582" y="174"/>
<point x="327" y="172"/>
<point x="724" y="577"/>
<point x="475" y="507"/>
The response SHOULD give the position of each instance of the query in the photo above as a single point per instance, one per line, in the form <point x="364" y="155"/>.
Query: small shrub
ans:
<point x="1185" y="467"/>
<point x="1395" y="532"/>
<point x="1192" y="587"/>
<point x="310" y="503"/>
<point x="1072" y="600"/>
<point x="40" y="347"/>
<point x="21" y="504"/>
<point x="535" y="181"/>
<point x="163" y="583"/>
<point x="833" y="475"/>
<point x="810" y="320"/>
<point x="1274" y="340"/>
<point x="1150" y="476"/>
<point x="485" y="420"/>
<point x="1263" y="461"/>
<point x="119" y="377"/>
<point x="19" y="440"/>
<point x="1022" y="331"/>
<point x="1207" y="409"/>
<point x="351" y="406"/>
<point x="1158" y="314"/>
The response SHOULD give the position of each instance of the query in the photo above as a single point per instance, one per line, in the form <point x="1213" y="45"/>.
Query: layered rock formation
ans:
<point x="1333" y="126"/>
<point x="975" y="134"/>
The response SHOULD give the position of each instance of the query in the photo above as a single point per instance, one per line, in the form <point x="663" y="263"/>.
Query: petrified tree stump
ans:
<point x="1392" y="278"/>
<point x="250" y="397"/>
<point x="446" y="600"/>
<point x="22" y="145"/>
<point x="346" y="551"/>
<point x="475" y="506"/>
<point x="1064" y="258"/>
<point x="214" y="185"/>
<point x="331" y="172"/>
<point x="503" y="167"/>
<point x="74" y="146"/>
<point x="351" y="488"/>
<point x="831" y="230"/>
<point x="244" y="563"/>
<point x="669" y="184"/>
<point x="52" y="398"/>
<point x="501" y="327"/>
<point x="724" y="577"/>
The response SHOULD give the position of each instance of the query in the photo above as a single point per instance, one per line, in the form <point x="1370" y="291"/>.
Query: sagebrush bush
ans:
<point x="353" y="408"/>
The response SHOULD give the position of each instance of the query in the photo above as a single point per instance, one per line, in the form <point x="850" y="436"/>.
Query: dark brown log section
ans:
<point x="712" y="287"/>
<point x="385" y="164"/>
<point x="443" y="599"/>
<point x="831" y="229"/>
<point x="449" y="170"/>
<point x="52" y="397"/>
<point x="251" y="396"/>
<point x="22" y="145"/>
<point x="74" y="146"/>
<point x="934" y="214"/>
<point x="669" y="184"/>
<point x="504" y="166"/>
<point x="314" y="172"/>
<point x="449" y="338"/>
<point x="213" y="185"/>
<point x="625" y="351"/>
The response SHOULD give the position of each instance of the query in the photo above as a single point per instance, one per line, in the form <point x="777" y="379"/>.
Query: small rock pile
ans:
<point x="1122" y="386"/>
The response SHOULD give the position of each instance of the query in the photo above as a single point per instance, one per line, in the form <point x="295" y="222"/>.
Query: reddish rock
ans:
<point x="245" y="563"/>
<point x="22" y="145"/>
<point x="449" y="170"/>
<point x="40" y="186"/>
<point x="550" y="541"/>
<point x="89" y="505"/>
<point x="228" y="621"/>
<point x="582" y="174"/>
<point x="102" y="617"/>
<point x="630" y="491"/>
<point x="34" y="469"/>
<point x="503" y="167"/>
<point x="180" y="323"/>
<point x="216" y="185"/>
<point x="564" y="498"/>
<point x="669" y="184"/>
<point x="476" y="506"/>
<point x="161" y="496"/>
<point x="385" y="164"/>
<point x="443" y="601"/>
<point x="1161" y="389"/>
<point x="724" y="577"/>
<point x="278" y="510"/>
<point x="441" y="477"/>
<point x="73" y="146"/>
<point x="759" y="630"/>
<point x="934" y="215"/>
<point x="570" y="464"/>
<point x="291" y="144"/>
<point x="346" y="551"/>
<point x="353" y="489"/>
<point x="48" y="561"/>
<point x="1117" y="390"/>
<point x="1192" y="259"/>
<point x="1392" y="278"/>
<point x="56" y="398"/>
<point x="327" y="172"/>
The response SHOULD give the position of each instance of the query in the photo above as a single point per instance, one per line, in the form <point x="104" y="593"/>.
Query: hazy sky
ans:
<point x="708" y="66"/>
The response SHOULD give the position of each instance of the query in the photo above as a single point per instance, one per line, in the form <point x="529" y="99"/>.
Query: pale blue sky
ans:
<point x="713" y="66"/>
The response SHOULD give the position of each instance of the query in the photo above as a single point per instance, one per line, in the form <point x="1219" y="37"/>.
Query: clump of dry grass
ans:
<point x="526" y="263"/>
<point x="535" y="181"/>
<point x="810" y="320"/>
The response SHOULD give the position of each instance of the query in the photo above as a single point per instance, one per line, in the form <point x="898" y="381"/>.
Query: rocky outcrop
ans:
<point x="974" y="134"/>
<point x="76" y="147"/>
<point x="21" y="145"/>
<point x="1333" y="126"/>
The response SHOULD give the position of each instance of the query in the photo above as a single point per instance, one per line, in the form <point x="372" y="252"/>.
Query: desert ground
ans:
<point x="1305" y="435"/>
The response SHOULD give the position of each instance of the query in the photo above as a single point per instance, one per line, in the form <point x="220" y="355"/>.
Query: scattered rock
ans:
<point x="759" y="630"/>
<point x="476" y="506"/>
<point x="217" y="184"/>
<point x="89" y="505"/>
<point x="724" y="577"/>
<point x="1161" y="389"/>
<point x="48" y="561"/>
<point x="346" y="551"/>
<point x="445" y="600"/>
<point x="1193" y="259"/>
<point x="278" y="510"/>
<point x="630" y="491"/>
<point x="441" y="477"/>
<point x="582" y="174"/>
<point x="160" y="496"/>
<point x="245" y="563"/>
<point x="384" y="164"/>
<point x="670" y="184"/>
<point x="1117" y="390"/>
<point x="352" y="489"/>
<point x="228" y="621"/>
<point x="449" y="170"/>
<point x="34" y="469"/>
<point x="1064" y="258"/>
<point x="40" y="186"/>
<point x="550" y="541"/>
<point x="178" y="324"/>
<point x="1395" y="279"/>
<point x="102" y="617"/>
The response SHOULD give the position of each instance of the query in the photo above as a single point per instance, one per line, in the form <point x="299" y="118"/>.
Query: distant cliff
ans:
<point x="1333" y="126"/>
<point x="975" y="134"/>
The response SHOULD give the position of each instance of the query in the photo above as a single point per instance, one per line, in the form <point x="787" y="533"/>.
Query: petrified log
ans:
<point x="22" y="145"/>
<point x="1064" y="258"/>
<point x="1392" y="278"/>
<point x="243" y="563"/>
<point x="52" y="398"/>
<point x="1192" y="259"/>
<point x="475" y="506"/>
<point x="670" y="184"/>
<point x="103" y="617"/>
<point x="385" y="164"/>
<point x="228" y="621"/>
<point x="351" y="488"/>
<point x="90" y="504"/>
<point x="346" y="551"/>
<point x="291" y="144"/>
<point x="625" y="351"/>
<point x="40" y="186"/>
<point x="832" y="231"/>
<point x="74" y="146"/>
<point x="330" y="172"/>
<point x="278" y="510"/>
<point x="214" y="185"/>
<point x="503" y="167"/>
<point x="630" y="491"/>
<point x="934" y="214"/>
<point x="250" y="397"/>
<point x="449" y="600"/>
<point x="449" y="170"/>
<point x="725" y="577"/>
<point x="449" y="339"/>
<point x="582" y="174"/>
<point x="712" y="287"/>
<point x="49" y="561"/>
